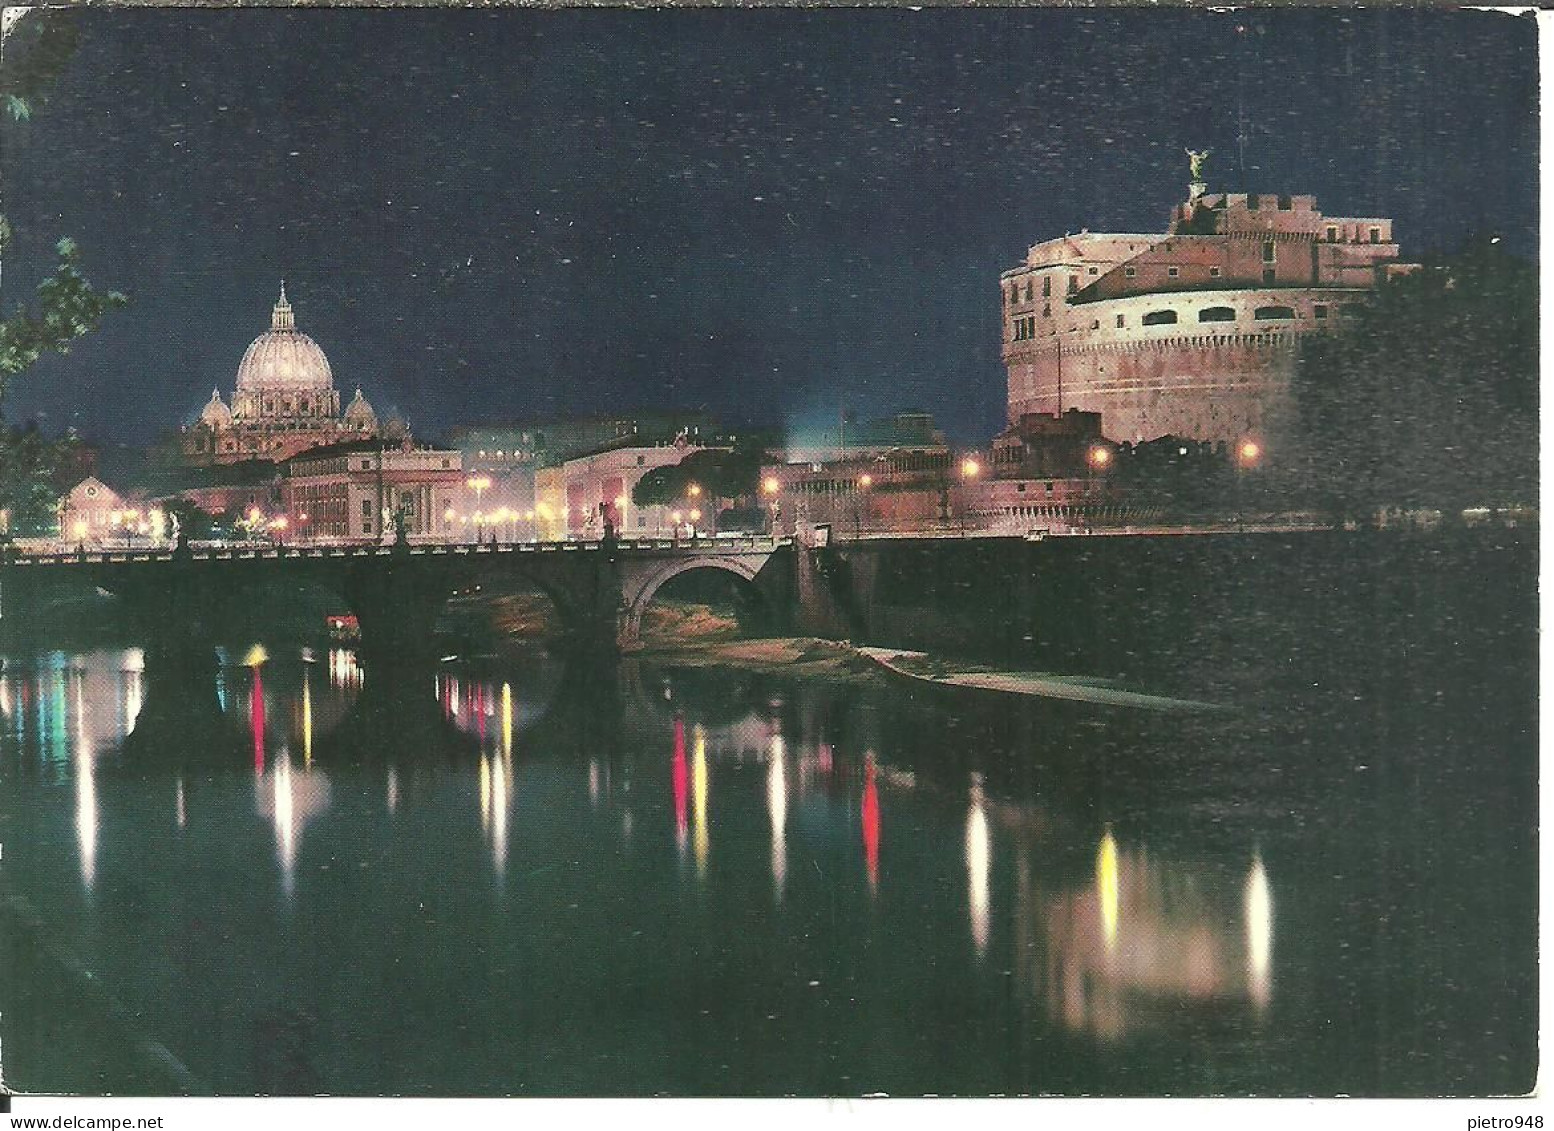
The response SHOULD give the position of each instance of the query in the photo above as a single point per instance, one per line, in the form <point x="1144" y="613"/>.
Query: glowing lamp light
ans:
<point x="970" y="468"/>
<point x="1100" y="457"/>
<point x="771" y="485"/>
<point x="1248" y="452"/>
<point x="696" y="516"/>
<point x="866" y="481"/>
<point x="621" y="502"/>
<point x="80" y="528"/>
<point x="695" y="491"/>
<point x="279" y="522"/>
<point x="448" y="515"/>
<point x="677" y="516"/>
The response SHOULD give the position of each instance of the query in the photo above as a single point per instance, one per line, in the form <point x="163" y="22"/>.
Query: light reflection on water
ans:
<point x="866" y="857"/>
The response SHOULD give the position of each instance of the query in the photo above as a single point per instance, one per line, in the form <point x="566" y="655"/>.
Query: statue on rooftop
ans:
<point x="1198" y="160"/>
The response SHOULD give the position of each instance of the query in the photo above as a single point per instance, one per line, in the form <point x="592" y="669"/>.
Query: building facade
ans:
<point x="1190" y="333"/>
<point x="91" y="513"/>
<point x="352" y="492"/>
<point x="285" y="402"/>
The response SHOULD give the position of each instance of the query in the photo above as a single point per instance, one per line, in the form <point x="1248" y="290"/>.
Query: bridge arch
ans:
<point x="639" y="589"/>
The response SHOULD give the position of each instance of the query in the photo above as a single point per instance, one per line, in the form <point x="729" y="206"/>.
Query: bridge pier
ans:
<point x="397" y="603"/>
<point x="176" y="618"/>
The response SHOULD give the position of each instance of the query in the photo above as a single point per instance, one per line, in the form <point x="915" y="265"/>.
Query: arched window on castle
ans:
<point x="1273" y="313"/>
<point x="1160" y="318"/>
<point x="1217" y="314"/>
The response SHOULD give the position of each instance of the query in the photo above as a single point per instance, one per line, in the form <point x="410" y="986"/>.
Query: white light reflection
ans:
<point x="393" y="789"/>
<point x="777" y="807"/>
<point x="86" y="793"/>
<point x="180" y="809"/>
<point x="1259" y="934"/>
<point x="499" y="813"/>
<point x="494" y="809"/>
<point x="699" y="799"/>
<point x="290" y="801"/>
<point x="343" y="668"/>
<point x="978" y="853"/>
<point x="307" y="719"/>
<point x="134" y="671"/>
<point x="593" y="782"/>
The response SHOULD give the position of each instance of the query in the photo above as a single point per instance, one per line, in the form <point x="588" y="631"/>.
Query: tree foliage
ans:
<point x="719" y="472"/>
<point x="1430" y="399"/>
<point x="68" y="308"/>
<point x="37" y="49"/>
<point x="32" y="473"/>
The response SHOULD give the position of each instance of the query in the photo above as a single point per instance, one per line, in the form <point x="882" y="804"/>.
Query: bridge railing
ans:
<point x="271" y="552"/>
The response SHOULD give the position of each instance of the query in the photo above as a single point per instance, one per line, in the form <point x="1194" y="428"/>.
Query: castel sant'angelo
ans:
<point x="1190" y="333"/>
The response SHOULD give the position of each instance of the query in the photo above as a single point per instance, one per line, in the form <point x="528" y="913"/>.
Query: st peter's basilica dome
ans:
<point x="284" y="359"/>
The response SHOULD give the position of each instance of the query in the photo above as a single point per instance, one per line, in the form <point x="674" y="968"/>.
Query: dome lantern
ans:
<point x="281" y="318"/>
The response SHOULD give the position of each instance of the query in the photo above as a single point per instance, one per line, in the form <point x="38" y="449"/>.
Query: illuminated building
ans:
<point x="353" y="491"/>
<point x="285" y="402"/>
<point x="91" y="513"/>
<point x="1192" y="332"/>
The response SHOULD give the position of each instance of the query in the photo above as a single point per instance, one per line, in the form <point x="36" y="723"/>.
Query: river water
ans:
<point x="642" y="880"/>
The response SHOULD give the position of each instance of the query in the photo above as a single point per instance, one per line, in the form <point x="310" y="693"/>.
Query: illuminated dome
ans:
<point x="216" y="414"/>
<point x="284" y="359"/>
<point x="359" y="414"/>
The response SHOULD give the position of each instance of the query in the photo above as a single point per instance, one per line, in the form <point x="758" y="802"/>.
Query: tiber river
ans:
<point x="652" y="881"/>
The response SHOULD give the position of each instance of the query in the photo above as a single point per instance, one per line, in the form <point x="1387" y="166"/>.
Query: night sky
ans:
<point x="492" y="216"/>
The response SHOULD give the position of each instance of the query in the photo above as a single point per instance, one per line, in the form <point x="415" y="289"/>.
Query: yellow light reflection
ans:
<point x="1106" y="887"/>
<point x="507" y="722"/>
<point x="978" y="862"/>
<point x="485" y="795"/>
<point x="699" y="799"/>
<point x="777" y="807"/>
<point x="1259" y="934"/>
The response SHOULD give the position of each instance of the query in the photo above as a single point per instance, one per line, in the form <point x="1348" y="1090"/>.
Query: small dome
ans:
<point x="359" y="414"/>
<point x="216" y="414"/>
<point x="284" y="359"/>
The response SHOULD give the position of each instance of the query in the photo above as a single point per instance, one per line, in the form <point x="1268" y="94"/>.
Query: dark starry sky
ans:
<point x="493" y="216"/>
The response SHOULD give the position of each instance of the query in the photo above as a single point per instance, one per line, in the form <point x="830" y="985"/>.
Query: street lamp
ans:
<point x="865" y="481"/>
<point x="970" y="468"/>
<point x="1248" y="454"/>
<point x="478" y="484"/>
<point x="770" y="487"/>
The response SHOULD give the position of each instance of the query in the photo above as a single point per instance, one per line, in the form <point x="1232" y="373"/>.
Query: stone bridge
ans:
<point x="599" y="589"/>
